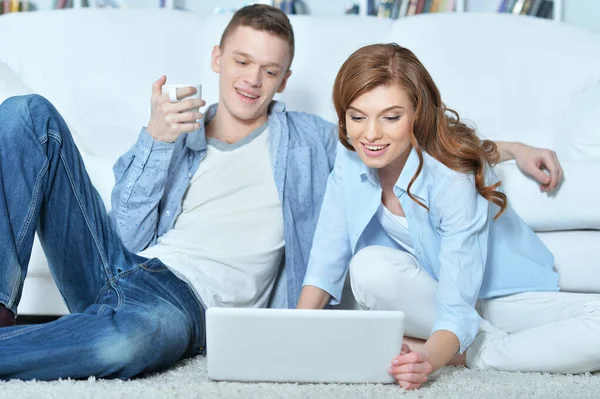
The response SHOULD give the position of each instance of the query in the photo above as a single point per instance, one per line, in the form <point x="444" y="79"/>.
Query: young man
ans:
<point x="216" y="205"/>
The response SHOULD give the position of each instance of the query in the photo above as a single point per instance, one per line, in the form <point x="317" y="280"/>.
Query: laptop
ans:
<point x="311" y="346"/>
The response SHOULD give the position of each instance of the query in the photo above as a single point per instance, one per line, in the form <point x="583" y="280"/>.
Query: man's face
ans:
<point x="253" y="66"/>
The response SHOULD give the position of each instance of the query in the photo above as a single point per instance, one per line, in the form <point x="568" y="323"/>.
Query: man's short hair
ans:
<point x="264" y="18"/>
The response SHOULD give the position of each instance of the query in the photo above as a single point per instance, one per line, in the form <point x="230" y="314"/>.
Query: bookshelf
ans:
<point x="33" y="5"/>
<point x="557" y="8"/>
<point x="582" y="13"/>
<point x="461" y="6"/>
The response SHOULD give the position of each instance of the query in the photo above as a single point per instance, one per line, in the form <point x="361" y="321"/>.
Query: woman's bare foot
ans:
<point x="417" y="345"/>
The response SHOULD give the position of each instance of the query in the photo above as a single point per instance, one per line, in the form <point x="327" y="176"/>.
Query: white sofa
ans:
<point x="516" y="78"/>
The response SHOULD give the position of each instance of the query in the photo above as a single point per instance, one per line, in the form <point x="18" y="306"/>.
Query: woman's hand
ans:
<point x="539" y="163"/>
<point x="410" y="369"/>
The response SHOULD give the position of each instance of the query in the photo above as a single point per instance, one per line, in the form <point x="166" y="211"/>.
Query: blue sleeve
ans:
<point x="140" y="176"/>
<point x="328" y="135"/>
<point x="331" y="251"/>
<point x="464" y="228"/>
<point x="332" y="143"/>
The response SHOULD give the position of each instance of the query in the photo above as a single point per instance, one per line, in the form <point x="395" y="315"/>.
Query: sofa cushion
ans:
<point x="513" y="76"/>
<point x="100" y="75"/>
<point x="579" y="135"/>
<point x="575" y="259"/>
<point x="10" y="83"/>
<point x="573" y="206"/>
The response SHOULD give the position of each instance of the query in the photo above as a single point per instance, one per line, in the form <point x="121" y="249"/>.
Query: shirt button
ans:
<point x="190" y="175"/>
<point x="146" y="151"/>
<point x="168" y="213"/>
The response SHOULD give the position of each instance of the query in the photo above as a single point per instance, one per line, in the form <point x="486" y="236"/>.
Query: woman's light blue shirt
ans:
<point x="456" y="241"/>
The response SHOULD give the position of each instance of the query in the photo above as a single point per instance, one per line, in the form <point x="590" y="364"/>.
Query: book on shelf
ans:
<point x="536" y="8"/>
<point x="8" y="6"/>
<point x="384" y="10"/>
<point x="60" y="4"/>
<point x="518" y="7"/>
<point x="294" y="6"/>
<point x="393" y="9"/>
<point x="287" y="6"/>
<point x="526" y="7"/>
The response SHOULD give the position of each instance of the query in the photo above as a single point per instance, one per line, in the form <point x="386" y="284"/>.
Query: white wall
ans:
<point x="584" y="13"/>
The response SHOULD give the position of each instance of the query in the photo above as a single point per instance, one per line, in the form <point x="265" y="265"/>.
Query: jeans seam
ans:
<point x="98" y="245"/>
<point x="36" y="191"/>
<point x="202" y="310"/>
<point x="112" y="283"/>
<point x="30" y="328"/>
<point x="16" y="287"/>
<point x="148" y="269"/>
<point x="102" y="308"/>
<point x="29" y="217"/>
<point x="103" y="290"/>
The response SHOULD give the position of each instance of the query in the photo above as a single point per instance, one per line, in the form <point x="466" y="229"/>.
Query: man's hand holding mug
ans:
<point x="175" y="110"/>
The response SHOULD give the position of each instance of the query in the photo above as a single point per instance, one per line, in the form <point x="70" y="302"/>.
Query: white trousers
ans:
<point x="534" y="331"/>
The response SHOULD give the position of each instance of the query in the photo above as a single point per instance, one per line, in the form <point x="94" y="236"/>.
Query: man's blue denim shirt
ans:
<point x="152" y="178"/>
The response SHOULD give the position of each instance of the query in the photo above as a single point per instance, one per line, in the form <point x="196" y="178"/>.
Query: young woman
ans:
<point x="415" y="212"/>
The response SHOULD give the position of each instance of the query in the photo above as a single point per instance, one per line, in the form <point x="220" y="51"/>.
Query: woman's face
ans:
<point x="379" y="125"/>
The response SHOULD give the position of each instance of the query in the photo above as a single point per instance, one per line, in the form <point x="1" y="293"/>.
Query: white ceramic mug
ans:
<point x="172" y="90"/>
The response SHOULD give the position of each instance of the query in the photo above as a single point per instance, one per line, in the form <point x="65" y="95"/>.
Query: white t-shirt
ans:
<point x="396" y="226"/>
<point x="228" y="240"/>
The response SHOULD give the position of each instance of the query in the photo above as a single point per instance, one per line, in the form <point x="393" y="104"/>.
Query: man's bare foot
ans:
<point x="417" y="345"/>
<point x="7" y="318"/>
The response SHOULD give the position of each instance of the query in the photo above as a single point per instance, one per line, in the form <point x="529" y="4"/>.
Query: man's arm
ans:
<point x="539" y="163"/>
<point x="142" y="172"/>
<point x="140" y="177"/>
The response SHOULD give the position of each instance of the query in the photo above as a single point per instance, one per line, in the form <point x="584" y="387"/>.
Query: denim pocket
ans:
<point x="154" y="265"/>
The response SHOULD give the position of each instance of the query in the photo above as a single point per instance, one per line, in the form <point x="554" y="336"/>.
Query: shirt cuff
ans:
<point x="155" y="152"/>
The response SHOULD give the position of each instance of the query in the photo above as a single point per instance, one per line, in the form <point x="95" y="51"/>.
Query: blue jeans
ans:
<point x="129" y="315"/>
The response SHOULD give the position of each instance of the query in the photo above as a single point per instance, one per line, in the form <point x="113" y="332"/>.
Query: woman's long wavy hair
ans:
<point x="437" y="129"/>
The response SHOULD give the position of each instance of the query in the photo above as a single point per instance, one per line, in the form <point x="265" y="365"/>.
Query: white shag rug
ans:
<point x="188" y="380"/>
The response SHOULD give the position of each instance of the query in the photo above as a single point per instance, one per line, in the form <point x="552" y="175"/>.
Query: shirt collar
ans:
<point x="409" y="170"/>
<point x="196" y="140"/>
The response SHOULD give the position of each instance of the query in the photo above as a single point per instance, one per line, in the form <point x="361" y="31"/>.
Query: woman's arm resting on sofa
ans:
<point x="539" y="163"/>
